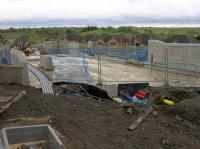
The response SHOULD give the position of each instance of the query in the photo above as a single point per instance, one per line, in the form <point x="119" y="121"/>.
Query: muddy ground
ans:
<point x="85" y="123"/>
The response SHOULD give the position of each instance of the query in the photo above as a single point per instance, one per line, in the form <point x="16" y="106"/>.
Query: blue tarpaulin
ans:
<point x="140" y="54"/>
<point x="5" y="60"/>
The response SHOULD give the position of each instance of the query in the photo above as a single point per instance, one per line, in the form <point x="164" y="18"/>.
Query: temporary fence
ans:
<point x="114" y="65"/>
<point x="84" y="63"/>
<point x="85" y="68"/>
<point x="175" y="62"/>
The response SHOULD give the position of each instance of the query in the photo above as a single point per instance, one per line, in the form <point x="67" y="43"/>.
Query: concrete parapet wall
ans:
<point x="14" y="74"/>
<point x="176" y="52"/>
<point x="17" y="70"/>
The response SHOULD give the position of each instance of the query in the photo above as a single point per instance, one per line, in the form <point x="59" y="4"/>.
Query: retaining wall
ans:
<point x="14" y="74"/>
<point x="176" y="52"/>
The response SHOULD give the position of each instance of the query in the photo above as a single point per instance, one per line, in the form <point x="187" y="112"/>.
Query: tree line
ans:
<point x="36" y="35"/>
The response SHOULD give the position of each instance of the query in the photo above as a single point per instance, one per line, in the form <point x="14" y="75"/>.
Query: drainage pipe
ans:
<point x="44" y="82"/>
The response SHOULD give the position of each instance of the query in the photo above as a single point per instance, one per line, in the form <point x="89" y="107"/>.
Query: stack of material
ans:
<point x="141" y="96"/>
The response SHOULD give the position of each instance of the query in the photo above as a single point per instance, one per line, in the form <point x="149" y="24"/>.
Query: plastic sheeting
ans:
<point x="70" y="69"/>
<point x="4" y="57"/>
<point x="13" y="57"/>
<point x="17" y="57"/>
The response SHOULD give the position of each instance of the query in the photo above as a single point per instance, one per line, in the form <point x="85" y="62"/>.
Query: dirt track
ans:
<point x="88" y="124"/>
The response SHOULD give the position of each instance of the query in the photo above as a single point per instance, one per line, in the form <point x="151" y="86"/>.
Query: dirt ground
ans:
<point x="86" y="123"/>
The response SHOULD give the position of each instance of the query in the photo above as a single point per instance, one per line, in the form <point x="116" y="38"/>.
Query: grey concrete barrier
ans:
<point x="26" y="134"/>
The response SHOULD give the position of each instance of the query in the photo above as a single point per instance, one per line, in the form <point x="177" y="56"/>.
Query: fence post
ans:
<point x="166" y="65"/>
<point x="99" y="71"/>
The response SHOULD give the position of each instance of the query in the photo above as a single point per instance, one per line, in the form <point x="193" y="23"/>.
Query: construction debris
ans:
<point x="31" y="145"/>
<point x="140" y="119"/>
<point x="168" y="102"/>
<point x="33" y="119"/>
<point x="78" y="120"/>
<point x="129" y="111"/>
<point x="80" y="90"/>
<point x="155" y="113"/>
<point x="126" y="97"/>
<point x="8" y="105"/>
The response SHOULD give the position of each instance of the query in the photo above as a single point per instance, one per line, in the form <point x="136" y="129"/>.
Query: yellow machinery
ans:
<point x="24" y="46"/>
<point x="27" y="51"/>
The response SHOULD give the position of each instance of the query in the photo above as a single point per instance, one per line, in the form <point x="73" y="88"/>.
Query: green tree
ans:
<point x="1" y="39"/>
<point x="197" y="37"/>
<point x="125" y="29"/>
<point x="25" y="38"/>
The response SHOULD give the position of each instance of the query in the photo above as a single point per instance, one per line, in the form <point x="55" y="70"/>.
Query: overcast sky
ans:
<point x="99" y="12"/>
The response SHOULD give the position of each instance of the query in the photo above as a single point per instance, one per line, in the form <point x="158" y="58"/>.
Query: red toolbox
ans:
<point x="142" y="94"/>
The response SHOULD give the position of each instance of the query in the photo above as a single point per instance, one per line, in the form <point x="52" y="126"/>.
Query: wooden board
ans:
<point x="140" y="119"/>
<point x="9" y="104"/>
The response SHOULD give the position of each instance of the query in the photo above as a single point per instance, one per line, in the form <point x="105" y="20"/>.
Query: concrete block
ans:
<point x="14" y="74"/>
<point x="26" y="134"/>
<point x="17" y="71"/>
<point x="46" y="62"/>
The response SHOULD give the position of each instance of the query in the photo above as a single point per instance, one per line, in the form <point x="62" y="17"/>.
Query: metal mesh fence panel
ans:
<point x="98" y="60"/>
